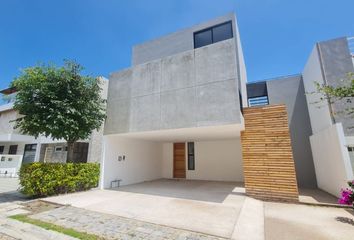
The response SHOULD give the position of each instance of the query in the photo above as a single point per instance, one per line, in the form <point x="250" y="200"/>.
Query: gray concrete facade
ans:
<point x="172" y="85"/>
<point x="177" y="42"/>
<point x="290" y="91"/>
<point x="183" y="40"/>
<point x="336" y="62"/>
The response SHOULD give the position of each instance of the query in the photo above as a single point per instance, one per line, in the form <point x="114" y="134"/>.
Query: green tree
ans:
<point x="58" y="102"/>
<point x="343" y="93"/>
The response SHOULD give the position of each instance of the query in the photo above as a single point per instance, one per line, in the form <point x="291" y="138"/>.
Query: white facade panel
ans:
<point x="331" y="159"/>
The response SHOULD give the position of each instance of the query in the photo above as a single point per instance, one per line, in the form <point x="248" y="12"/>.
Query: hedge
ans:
<point x="47" y="179"/>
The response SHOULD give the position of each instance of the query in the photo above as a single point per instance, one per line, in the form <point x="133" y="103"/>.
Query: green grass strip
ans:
<point x="49" y="226"/>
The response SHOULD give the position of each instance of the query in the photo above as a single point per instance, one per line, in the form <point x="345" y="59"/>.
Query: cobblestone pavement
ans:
<point x="114" y="227"/>
<point x="11" y="229"/>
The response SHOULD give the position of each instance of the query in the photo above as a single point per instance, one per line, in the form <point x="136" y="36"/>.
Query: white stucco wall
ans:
<point x="20" y="147"/>
<point x="6" y="121"/>
<point x="214" y="160"/>
<point x="331" y="159"/>
<point x="142" y="160"/>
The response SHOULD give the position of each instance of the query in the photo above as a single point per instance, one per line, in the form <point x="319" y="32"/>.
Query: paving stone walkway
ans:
<point x="115" y="227"/>
<point x="15" y="230"/>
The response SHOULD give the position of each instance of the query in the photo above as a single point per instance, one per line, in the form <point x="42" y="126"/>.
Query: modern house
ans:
<point x="17" y="148"/>
<point x="183" y="110"/>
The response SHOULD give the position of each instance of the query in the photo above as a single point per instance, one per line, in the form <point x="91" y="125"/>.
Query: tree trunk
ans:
<point x="70" y="152"/>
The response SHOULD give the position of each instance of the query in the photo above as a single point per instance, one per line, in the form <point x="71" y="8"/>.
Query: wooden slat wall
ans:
<point x="269" y="169"/>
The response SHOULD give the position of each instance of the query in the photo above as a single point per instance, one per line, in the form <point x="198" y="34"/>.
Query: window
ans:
<point x="213" y="34"/>
<point x="30" y="153"/>
<point x="222" y="32"/>
<point x="1" y="149"/>
<point x="58" y="148"/>
<point x="203" y="38"/>
<point x="30" y="147"/>
<point x="191" y="157"/>
<point x="257" y="94"/>
<point x="13" y="149"/>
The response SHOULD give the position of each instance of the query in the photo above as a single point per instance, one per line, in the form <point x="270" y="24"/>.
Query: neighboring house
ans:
<point x="16" y="147"/>
<point x="177" y="112"/>
<point x="332" y="131"/>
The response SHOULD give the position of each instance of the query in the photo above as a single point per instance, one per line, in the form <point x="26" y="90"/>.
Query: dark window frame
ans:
<point x="191" y="155"/>
<point x="212" y="33"/>
<point x="13" y="149"/>
<point x="2" y="148"/>
<point x="31" y="147"/>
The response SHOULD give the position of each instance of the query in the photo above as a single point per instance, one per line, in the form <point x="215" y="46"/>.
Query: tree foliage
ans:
<point x="58" y="102"/>
<point x="343" y="93"/>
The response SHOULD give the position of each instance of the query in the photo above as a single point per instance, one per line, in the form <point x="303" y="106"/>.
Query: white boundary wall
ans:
<point x="331" y="159"/>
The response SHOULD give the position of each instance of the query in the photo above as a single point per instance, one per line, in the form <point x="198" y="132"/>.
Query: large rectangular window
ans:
<point x="30" y="153"/>
<point x="213" y="34"/>
<point x="2" y="149"/>
<point x="191" y="157"/>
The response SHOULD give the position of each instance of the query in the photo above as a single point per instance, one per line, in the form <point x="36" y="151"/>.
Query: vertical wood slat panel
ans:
<point x="269" y="168"/>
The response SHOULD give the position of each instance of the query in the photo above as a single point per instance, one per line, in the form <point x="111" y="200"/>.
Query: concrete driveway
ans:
<point x="201" y="206"/>
<point x="216" y="208"/>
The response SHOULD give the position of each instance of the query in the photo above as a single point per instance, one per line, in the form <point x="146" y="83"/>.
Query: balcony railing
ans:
<point x="258" y="101"/>
<point x="10" y="165"/>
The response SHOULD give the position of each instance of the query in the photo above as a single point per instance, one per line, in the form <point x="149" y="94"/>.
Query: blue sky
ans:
<point x="277" y="36"/>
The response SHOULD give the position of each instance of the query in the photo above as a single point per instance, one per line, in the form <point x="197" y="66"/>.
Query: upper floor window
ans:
<point x="13" y="149"/>
<point x="213" y="34"/>
<point x="257" y="94"/>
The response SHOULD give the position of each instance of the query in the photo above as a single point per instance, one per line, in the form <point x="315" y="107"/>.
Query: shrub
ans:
<point x="46" y="179"/>
<point x="347" y="195"/>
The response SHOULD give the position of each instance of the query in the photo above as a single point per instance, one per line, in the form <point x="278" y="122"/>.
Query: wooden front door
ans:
<point x="179" y="160"/>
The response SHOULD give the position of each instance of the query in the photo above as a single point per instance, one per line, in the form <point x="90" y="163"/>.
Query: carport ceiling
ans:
<point x="187" y="134"/>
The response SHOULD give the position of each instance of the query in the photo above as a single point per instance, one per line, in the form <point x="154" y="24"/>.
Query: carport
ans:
<point x="203" y="153"/>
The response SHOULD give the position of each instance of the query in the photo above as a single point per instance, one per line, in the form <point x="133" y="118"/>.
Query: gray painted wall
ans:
<point x="190" y="89"/>
<point x="336" y="62"/>
<point x="290" y="91"/>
